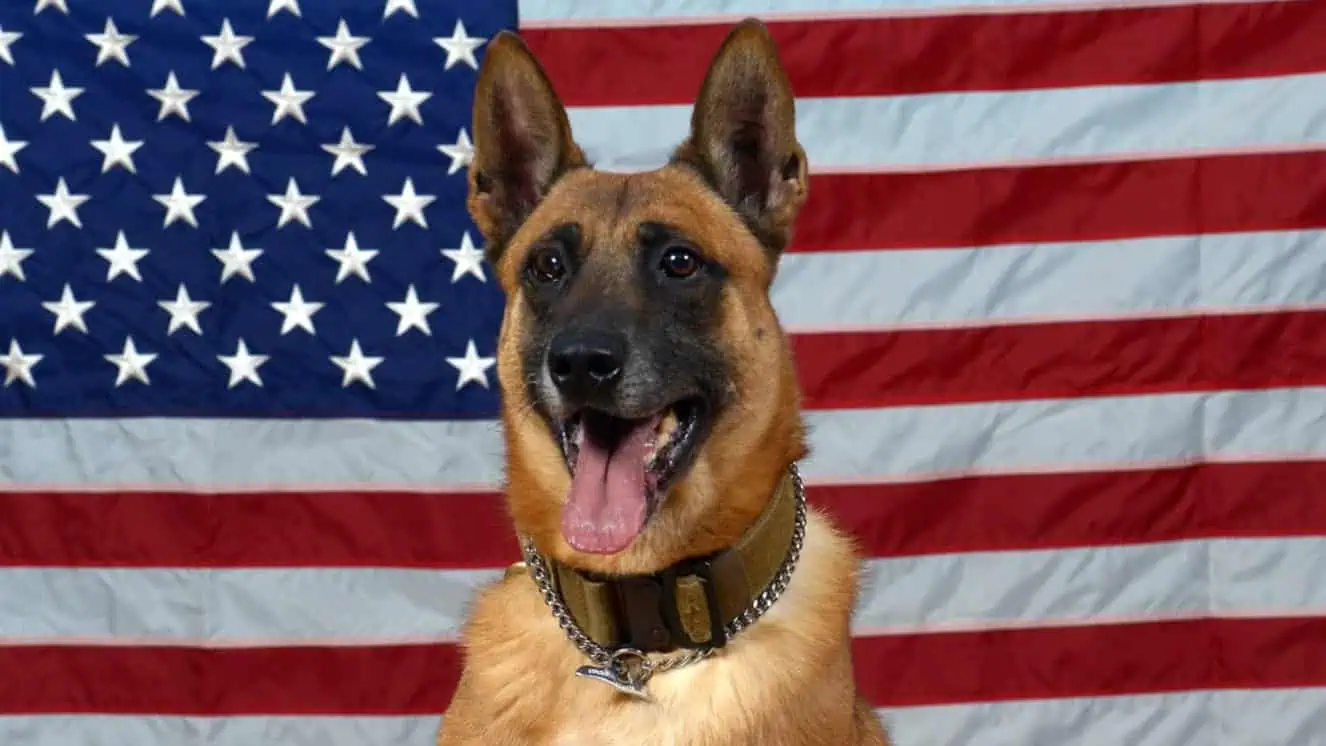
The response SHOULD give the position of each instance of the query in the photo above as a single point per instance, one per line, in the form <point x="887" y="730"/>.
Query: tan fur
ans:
<point x="785" y="681"/>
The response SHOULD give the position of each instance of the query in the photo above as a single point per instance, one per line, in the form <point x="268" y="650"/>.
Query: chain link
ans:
<point x="600" y="656"/>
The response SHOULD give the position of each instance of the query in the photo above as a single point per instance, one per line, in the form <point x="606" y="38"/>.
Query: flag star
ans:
<point x="227" y="46"/>
<point x="356" y="366"/>
<point x="122" y="259"/>
<point x="161" y="5"/>
<point x="412" y="313"/>
<point x="7" y="39"/>
<point x="18" y="366"/>
<point x="348" y="153"/>
<point x="404" y="101"/>
<point x="59" y="5"/>
<point x="179" y="204"/>
<point x="243" y="365"/>
<point x="232" y="151"/>
<point x="68" y="310"/>
<point x="406" y="6"/>
<point x="297" y="312"/>
<point x="56" y="98"/>
<point x="130" y="363"/>
<point x="276" y="6"/>
<point x="62" y="204"/>
<point x="111" y="44"/>
<point x="236" y="260"/>
<point x="293" y="204"/>
<point x="183" y="311"/>
<point x="289" y="101"/>
<point x="471" y="367"/>
<point x="460" y="153"/>
<point x="344" y="47"/>
<point x="468" y="259"/>
<point x="11" y="259"/>
<point x="174" y="100"/>
<point x="117" y="151"/>
<point x="353" y="260"/>
<point x="409" y="206"/>
<point x="460" y="47"/>
<point x="9" y="149"/>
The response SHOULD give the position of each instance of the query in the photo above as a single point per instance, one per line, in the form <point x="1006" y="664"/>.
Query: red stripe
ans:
<point x="1064" y="202"/>
<point x="1062" y="360"/>
<point x="957" y="52"/>
<point x="1009" y="512"/>
<point x="934" y="668"/>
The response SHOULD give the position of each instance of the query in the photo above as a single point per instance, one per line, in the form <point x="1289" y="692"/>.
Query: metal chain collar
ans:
<point x="635" y="667"/>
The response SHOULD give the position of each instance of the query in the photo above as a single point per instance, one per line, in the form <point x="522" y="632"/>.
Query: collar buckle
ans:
<point x="701" y="570"/>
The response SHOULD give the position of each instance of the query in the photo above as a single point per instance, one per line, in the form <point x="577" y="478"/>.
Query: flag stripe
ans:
<point x="882" y="56"/>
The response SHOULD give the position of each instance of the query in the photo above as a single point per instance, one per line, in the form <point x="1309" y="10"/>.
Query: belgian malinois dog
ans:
<point x="676" y="589"/>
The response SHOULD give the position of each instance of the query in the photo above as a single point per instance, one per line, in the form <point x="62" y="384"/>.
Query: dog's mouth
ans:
<point x="619" y="468"/>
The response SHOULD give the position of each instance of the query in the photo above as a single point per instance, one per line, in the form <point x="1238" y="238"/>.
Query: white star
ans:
<point x="117" y="151"/>
<point x="276" y="6"/>
<point x="111" y="44"/>
<point x="227" y="46"/>
<point x="68" y="310"/>
<point x="174" y="100"/>
<point x="471" y="367"/>
<point x="297" y="312"/>
<point x="160" y="5"/>
<point x="62" y="204"/>
<point x="11" y="259"/>
<point x="7" y="39"/>
<point x="404" y="101"/>
<point x="468" y="259"/>
<point x="356" y="366"/>
<point x="460" y="47"/>
<point x="353" y="260"/>
<point x="289" y="101"/>
<point x="460" y="153"/>
<point x="183" y="311"/>
<point x="130" y="363"/>
<point x="236" y="260"/>
<point x="412" y="313"/>
<point x="18" y="367"/>
<point x="232" y="151"/>
<point x="44" y="4"/>
<point x="348" y="153"/>
<point x="243" y="365"/>
<point x="409" y="206"/>
<point x="122" y="259"/>
<point x="402" y="5"/>
<point x="293" y="204"/>
<point x="343" y="46"/>
<point x="9" y="149"/>
<point x="179" y="204"/>
<point x="56" y="98"/>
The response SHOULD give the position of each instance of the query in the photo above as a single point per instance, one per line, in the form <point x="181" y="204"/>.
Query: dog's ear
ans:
<point x="743" y="134"/>
<point x="522" y="140"/>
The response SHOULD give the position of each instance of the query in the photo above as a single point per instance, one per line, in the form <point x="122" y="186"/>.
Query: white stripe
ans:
<point x="1090" y="279"/>
<point x="1273" y="717"/>
<point x="353" y="606"/>
<point x="847" y="445"/>
<point x="963" y="129"/>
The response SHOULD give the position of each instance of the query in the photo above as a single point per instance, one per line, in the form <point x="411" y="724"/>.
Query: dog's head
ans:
<point x="650" y="403"/>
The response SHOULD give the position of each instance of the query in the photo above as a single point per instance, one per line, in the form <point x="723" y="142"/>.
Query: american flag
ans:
<point x="1058" y="302"/>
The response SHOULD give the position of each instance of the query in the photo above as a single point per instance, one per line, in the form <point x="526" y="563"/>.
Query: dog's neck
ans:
<point x="691" y="604"/>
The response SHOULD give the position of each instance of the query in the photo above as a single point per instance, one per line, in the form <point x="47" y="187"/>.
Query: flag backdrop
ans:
<point x="1058" y="302"/>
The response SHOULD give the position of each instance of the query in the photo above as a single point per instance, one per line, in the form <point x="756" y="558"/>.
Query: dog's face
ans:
<point x="650" y="403"/>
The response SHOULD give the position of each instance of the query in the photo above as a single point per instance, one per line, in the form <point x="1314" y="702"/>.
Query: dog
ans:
<point x="676" y="589"/>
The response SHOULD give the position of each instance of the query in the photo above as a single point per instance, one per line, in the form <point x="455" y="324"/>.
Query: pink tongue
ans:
<point x="607" y="505"/>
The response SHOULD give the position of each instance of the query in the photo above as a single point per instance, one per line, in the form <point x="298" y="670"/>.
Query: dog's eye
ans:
<point x="679" y="262"/>
<point x="546" y="265"/>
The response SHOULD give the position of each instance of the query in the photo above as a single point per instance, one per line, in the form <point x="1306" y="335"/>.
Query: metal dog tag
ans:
<point x="627" y="671"/>
<point x="610" y="676"/>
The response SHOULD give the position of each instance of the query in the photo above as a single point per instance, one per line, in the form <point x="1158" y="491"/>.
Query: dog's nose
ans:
<point x="584" y="362"/>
